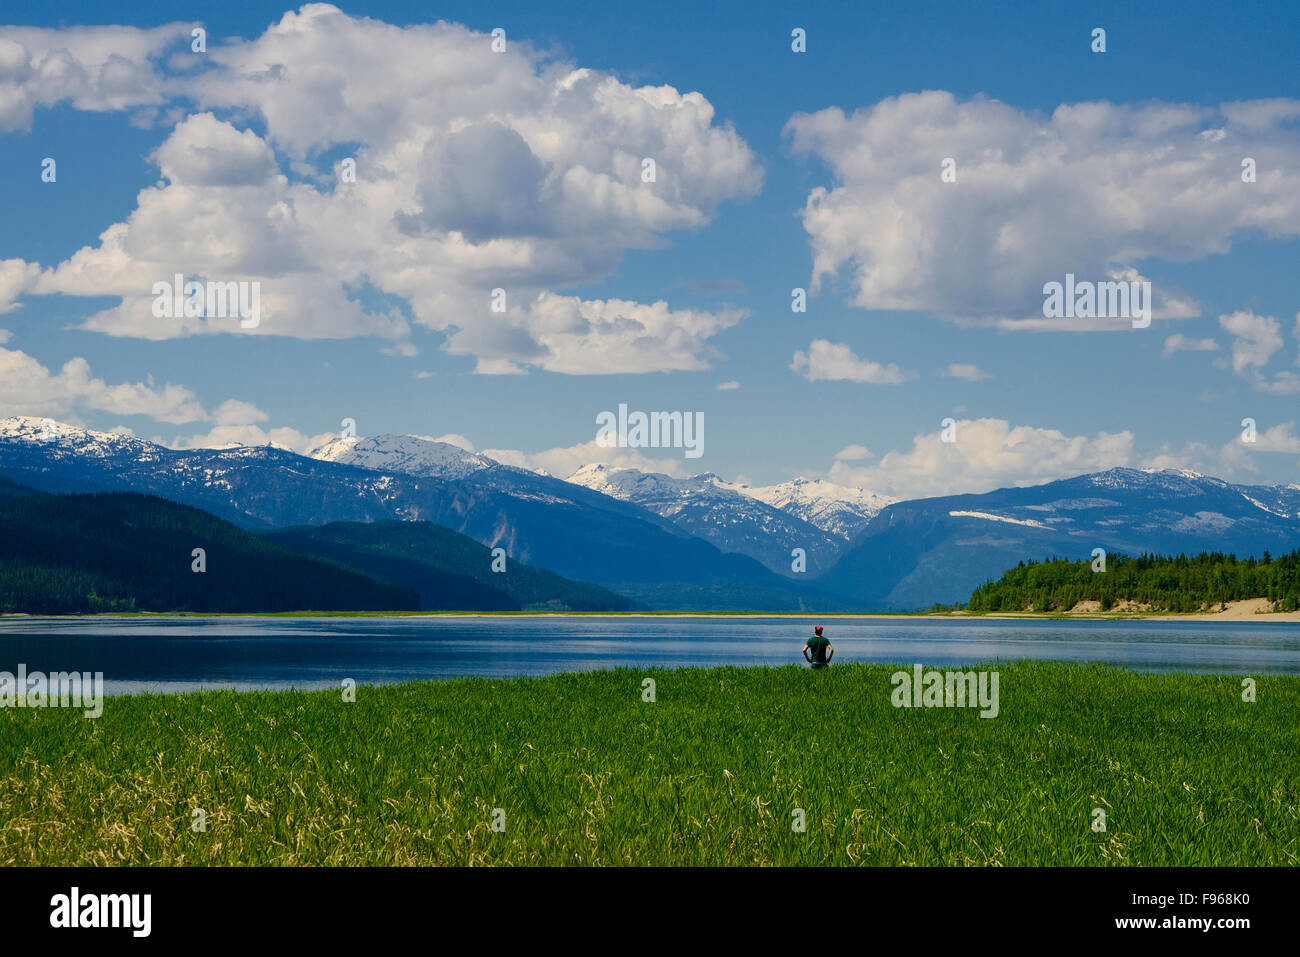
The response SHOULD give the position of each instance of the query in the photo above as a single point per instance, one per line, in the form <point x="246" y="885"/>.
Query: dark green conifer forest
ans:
<point x="1163" y="583"/>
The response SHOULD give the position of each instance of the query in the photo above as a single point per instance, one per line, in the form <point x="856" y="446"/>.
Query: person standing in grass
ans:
<point x="817" y="651"/>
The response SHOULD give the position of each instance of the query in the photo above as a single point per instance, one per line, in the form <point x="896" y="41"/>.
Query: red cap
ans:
<point x="818" y="629"/>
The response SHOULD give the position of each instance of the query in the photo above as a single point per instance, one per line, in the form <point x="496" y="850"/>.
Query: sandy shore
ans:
<point x="1249" y="609"/>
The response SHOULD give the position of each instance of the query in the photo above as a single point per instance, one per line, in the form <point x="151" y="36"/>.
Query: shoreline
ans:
<point x="1236" y="612"/>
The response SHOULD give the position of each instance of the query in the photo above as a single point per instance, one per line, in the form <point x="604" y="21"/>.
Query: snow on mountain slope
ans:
<point x="926" y="550"/>
<point x="404" y="453"/>
<point x="60" y="439"/>
<point x="1027" y="522"/>
<point x="719" y="512"/>
<point x="540" y="521"/>
<point x="837" y="509"/>
<point x="627" y="528"/>
<point x="667" y="493"/>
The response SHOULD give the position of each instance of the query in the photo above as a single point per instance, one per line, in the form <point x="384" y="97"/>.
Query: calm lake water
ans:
<point x="184" y="654"/>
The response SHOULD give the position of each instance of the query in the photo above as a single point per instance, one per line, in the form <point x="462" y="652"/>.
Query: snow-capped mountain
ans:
<point x="720" y="513"/>
<point x="404" y="453"/>
<point x="675" y="543"/>
<point x="837" y="509"/>
<point x="918" y="552"/>
<point x="60" y="440"/>
<point x="539" y="520"/>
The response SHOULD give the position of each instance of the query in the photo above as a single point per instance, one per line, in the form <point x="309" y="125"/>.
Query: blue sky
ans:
<point x="1148" y="181"/>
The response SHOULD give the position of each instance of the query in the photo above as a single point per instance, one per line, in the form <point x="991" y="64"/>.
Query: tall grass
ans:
<point x="710" y="773"/>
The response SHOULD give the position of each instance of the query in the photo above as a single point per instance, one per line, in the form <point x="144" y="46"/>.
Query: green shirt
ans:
<point x="817" y="644"/>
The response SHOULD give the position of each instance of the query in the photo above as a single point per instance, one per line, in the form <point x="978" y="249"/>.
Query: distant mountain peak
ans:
<point x="1185" y="473"/>
<point x="618" y="482"/>
<point x="1148" y="478"/>
<point x="840" y="510"/>
<point x="39" y="430"/>
<point x="834" y="510"/>
<point x="940" y="549"/>
<point x="408" y="454"/>
<point x="36" y="427"/>
<point x="717" y="511"/>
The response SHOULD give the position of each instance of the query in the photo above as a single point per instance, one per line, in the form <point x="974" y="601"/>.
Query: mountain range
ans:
<point x="663" y="542"/>
<point x="837" y="509"/>
<point x="721" y="514"/>
<point x="537" y="519"/>
<point x="938" y="550"/>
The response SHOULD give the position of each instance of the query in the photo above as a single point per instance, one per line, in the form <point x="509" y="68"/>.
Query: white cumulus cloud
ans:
<point x="966" y="371"/>
<point x="987" y="454"/>
<point x="1181" y="343"/>
<point x="475" y="172"/>
<point x="1093" y="189"/>
<point x="853" y="453"/>
<point x="29" y="388"/>
<point x="835" y="361"/>
<point x="1257" y="339"/>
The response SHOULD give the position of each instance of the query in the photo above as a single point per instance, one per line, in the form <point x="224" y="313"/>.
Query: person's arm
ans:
<point x="830" y="652"/>
<point x="805" y="653"/>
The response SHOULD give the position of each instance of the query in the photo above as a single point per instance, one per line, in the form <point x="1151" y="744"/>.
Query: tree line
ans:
<point x="1162" y="583"/>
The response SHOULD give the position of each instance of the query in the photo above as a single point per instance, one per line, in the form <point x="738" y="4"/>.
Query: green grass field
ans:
<point x="711" y="772"/>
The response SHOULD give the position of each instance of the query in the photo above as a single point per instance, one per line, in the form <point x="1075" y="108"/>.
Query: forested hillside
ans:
<point x="10" y="489"/>
<point x="448" y="570"/>
<point x="126" y="552"/>
<point x="1176" y="584"/>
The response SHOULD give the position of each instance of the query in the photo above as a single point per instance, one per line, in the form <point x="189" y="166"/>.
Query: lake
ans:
<point x="185" y="654"/>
